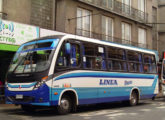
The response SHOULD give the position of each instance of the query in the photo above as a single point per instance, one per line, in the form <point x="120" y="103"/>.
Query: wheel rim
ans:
<point x="133" y="99"/>
<point x="65" y="104"/>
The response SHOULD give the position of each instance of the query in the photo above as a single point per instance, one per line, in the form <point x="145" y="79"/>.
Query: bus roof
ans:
<point x="102" y="42"/>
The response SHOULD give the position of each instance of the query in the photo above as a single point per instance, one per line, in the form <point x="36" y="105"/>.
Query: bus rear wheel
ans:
<point x="133" y="99"/>
<point x="65" y="105"/>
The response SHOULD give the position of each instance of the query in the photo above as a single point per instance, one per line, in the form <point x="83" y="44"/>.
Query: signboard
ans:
<point x="16" y="33"/>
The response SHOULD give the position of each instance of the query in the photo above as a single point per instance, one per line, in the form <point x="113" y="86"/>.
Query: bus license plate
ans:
<point x="19" y="96"/>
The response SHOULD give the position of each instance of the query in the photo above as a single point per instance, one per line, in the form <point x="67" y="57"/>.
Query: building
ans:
<point x="120" y="21"/>
<point x="161" y="27"/>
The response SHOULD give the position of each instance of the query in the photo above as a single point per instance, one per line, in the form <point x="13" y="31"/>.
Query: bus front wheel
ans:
<point x="65" y="105"/>
<point x="133" y="99"/>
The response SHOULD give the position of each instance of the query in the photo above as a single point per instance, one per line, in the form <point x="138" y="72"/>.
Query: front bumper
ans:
<point x="40" y="97"/>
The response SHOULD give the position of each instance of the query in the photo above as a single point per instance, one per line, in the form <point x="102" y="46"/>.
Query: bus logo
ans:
<point x="108" y="82"/>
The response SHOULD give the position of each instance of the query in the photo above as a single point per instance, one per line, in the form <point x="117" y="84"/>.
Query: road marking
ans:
<point x="161" y="107"/>
<point x="145" y="110"/>
<point x="98" y="113"/>
<point x="116" y="114"/>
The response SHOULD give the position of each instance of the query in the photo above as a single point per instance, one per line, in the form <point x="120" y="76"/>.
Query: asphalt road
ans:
<point x="146" y="110"/>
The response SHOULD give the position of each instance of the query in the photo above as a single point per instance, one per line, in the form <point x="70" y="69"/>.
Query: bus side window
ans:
<point x="116" y="59"/>
<point x="69" y="56"/>
<point x="93" y="56"/>
<point x="88" y="56"/>
<point x="149" y="63"/>
<point x="63" y="58"/>
<point x="135" y="61"/>
<point x="75" y="55"/>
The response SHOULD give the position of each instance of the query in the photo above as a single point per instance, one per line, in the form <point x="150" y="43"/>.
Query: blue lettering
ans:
<point x="108" y="82"/>
<point x="101" y="82"/>
<point x="127" y="82"/>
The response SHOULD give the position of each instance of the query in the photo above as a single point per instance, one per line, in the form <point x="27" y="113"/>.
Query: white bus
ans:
<point x="67" y="71"/>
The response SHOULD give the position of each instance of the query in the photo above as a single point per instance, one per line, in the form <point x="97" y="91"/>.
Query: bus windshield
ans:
<point x="33" y="57"/>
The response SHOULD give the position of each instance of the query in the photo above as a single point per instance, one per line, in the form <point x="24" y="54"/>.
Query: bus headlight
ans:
<point x="40" y="83"/>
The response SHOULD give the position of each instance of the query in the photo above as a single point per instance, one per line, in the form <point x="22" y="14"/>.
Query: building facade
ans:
<point x="121" y="21"/>
<point x="161" y="26"/>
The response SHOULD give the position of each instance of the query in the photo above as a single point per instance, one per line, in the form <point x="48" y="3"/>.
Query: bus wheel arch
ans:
<point x="70" y="98"/>
<point x="134" y="97"/>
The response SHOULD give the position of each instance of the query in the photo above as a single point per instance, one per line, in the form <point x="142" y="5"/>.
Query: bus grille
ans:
<point x="25" y="99"/>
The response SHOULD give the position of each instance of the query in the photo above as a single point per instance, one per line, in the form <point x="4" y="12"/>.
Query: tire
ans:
<point x="28" y="108"/>
<point x="134" y="99"/>
<point x="65" y="105"/>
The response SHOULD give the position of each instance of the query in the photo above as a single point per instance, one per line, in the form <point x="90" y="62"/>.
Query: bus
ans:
<point x="68" y="70"/>
<point x="161" y="74"/>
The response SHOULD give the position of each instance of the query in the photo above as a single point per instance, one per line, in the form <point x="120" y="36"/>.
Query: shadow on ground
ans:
<point x="44" y="112"/>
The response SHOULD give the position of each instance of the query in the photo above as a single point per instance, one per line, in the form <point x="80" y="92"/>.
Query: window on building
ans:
<point x="142" y="37"/>
<point x="126" y="33"/>
<point x="107" y="28"/>
<point x="142" y="5"/>
<point x="126" y="6"/>
<point x="107" y="3"/>
<point x="83" y="22"/>
<point x="142" y="8"/>
<point x="1" y="4"/>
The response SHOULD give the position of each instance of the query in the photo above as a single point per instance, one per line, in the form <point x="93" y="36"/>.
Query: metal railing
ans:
<point x="119" y="8"/>
<point x="104" y="37"/>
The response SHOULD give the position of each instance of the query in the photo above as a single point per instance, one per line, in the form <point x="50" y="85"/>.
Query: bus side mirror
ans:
<point x="67" y="48"/>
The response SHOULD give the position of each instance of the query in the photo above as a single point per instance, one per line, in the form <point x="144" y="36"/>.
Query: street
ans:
<point x="146" y="110"/>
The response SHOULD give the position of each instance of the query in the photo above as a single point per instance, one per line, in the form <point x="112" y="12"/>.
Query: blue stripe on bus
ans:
<point x="105" y="100"/>
<point x="41" y="104"/>
<point x="108" y="75"/>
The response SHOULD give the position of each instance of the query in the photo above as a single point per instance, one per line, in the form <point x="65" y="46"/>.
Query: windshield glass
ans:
<point x="33" y="57"/>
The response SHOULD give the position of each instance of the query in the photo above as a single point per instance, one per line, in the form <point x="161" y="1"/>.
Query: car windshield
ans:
<point x="34" y="57"/>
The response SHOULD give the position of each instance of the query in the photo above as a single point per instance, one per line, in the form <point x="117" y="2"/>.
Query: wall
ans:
<point x="18" y="10"/>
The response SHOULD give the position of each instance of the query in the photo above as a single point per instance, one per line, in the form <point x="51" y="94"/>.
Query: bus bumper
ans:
<point x="39" y="97"/>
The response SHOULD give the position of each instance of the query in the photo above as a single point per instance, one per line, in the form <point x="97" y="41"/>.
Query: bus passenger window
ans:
<point x="75" y="55"/>
<point x="135" y="61"/>
<point x="118" y="59"/>
<point x="69" y="56"/>
<point x="95" y="57"/>
<point x="149" y="63"/>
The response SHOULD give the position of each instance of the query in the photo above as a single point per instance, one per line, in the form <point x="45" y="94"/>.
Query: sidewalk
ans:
<point x="7" y="105"/>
